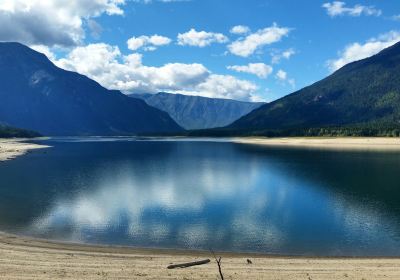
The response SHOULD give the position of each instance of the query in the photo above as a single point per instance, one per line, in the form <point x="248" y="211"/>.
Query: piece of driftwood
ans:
<point x="219" y="261"/>
<point x="189" y="264"/>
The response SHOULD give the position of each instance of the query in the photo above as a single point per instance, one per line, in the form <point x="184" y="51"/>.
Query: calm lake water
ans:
<point x="205" y="194"/>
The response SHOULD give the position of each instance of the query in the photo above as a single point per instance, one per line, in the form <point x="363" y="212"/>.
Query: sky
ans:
<point x="250" y="50"/>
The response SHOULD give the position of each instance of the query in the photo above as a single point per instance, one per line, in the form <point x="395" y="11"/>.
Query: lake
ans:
<point x="191" y="194"/>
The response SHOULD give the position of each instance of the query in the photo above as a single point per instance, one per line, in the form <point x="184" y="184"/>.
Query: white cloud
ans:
<point x="396" y="17"/>
<point x="240" y="29"/>
<point x="44" y="50"/>
<point x="113" y="70"/>
<point x="261" y="70"/>
<point x="163" y="1"/>
<point x="255" y="41"/>
<point x="50" y="23"/>
<point x="277" y="57"/>
<point x="101" y="62"/>
<point x="226" y="86"/>
<point x="338" y="8"/>
<point x="282" y="76"/>
<point x="357" y="51"/>
<point x="148" y="43"/>
<point x="200" y="38"/>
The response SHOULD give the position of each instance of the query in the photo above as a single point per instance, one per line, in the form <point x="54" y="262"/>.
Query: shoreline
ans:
<point x="15" y="147"/>
<point x="31" y="258"/>
<point x="44" y="243"/>
<point x="330" y="143"/>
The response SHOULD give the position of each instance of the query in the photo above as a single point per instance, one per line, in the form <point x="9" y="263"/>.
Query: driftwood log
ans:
<point x="189" y="264"/>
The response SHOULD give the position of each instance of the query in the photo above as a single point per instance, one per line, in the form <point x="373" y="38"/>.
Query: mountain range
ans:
<point x="37" y="95"/>
<point x="361" y="98"/>
<point x="196" y="112"/>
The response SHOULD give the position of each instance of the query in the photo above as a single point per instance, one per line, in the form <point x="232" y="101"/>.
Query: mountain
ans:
<point x="12" y="132"/>
<point x="37" y="95"/>
<point x="195" y="112"/>
<point x="361" y="98"/>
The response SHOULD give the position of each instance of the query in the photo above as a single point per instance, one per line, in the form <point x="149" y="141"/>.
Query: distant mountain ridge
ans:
<point x="37" y="95"/>
<point x="196" y="112"/>
<point x="361" y="98"/>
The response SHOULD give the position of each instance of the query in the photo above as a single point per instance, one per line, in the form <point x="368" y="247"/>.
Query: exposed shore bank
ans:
<point x="340" y="143"/>
<point x="26" y="258"/>
<point x="12" y="148"/>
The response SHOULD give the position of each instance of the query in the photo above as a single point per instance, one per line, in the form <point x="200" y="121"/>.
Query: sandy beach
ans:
<point x="12" y="148"/>
<point x="25" y="258"/>
<point x="342" y="143"/>
<point x="28" y="258"/>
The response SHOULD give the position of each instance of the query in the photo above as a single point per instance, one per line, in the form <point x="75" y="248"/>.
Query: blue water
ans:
<point x="205" y="194"/>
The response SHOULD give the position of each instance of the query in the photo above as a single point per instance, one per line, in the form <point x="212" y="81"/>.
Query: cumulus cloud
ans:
<point x="277" y="57"/>
<point x="357" y="51"/>
<point x="282" y="76"/>
<point x="226" y="86"/>
<point x="107" y="65"/>
<point x="338" y="8"/>
<point x="200" y="38"/>
<point x="50" y="23"/>
<point x="240" y="29"/>
<point x="163" y="1"/>
<point x="261" y="70"/>
<point x="148" y="43"/>
<point x="44" y="50"/>
<point x="247" y="46"/>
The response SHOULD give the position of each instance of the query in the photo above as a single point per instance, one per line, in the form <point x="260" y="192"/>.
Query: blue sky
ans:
<point x="283" y="45"/>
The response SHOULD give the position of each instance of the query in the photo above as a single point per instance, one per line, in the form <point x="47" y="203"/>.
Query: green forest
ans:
<point x="11" y="132"/>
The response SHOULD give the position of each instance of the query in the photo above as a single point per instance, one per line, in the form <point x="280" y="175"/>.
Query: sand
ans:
<point x="28" y="258"/>
<point x="343" y="143"/>
<point x="12" y="148"/>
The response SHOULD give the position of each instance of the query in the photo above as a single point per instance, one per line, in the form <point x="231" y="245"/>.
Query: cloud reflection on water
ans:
<point x="225" y="197"/>
<point x="176" y="200"/>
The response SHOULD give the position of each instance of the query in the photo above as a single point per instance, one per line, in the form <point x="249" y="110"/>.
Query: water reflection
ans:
<point x="202" y="195"/>
<point x="181" y="199"/>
